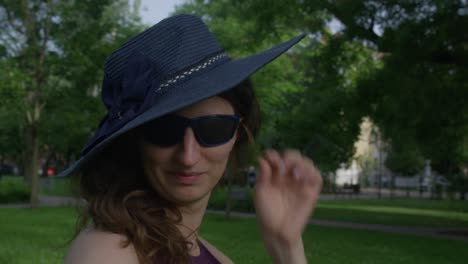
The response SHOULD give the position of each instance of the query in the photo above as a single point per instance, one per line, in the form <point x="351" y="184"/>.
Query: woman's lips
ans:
<point x="186" y="177"/>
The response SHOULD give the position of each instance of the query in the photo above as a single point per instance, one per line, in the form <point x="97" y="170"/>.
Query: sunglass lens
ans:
<point x="215" y="130"/>
<point x="165" y="131"/>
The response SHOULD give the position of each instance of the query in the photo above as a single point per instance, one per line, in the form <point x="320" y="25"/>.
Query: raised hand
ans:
<point x="286" y="193"/>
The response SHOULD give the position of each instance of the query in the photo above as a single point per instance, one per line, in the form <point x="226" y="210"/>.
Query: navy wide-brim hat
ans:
<point x="171" y="65"/>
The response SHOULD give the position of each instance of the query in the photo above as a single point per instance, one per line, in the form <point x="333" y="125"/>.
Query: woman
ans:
<point x="178" y="106"/>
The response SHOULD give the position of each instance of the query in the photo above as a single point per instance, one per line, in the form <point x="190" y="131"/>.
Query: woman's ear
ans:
<point x="249" y="137"/>
<point x="238" y="133"/>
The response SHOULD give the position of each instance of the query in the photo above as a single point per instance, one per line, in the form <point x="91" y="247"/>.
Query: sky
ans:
<point x="153" y="11"/>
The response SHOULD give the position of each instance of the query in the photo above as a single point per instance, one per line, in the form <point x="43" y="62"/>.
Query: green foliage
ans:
<point x="12" y="92"/>
<point x="322" y="120"/>
<point x="405" y="160"/>
<point x="13" y="190"/>
<point x="53" y="70"/>
<point x="418" y="95"/>
<point x="422" y="89"/>
<point x="58" y="187"/>
<point x="219" y="196"/>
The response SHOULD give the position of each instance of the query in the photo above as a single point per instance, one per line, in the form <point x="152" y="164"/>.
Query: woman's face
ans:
<point x="187" y="172"/>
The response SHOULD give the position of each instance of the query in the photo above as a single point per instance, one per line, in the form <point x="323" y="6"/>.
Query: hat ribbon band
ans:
<point x="191" y="71"/>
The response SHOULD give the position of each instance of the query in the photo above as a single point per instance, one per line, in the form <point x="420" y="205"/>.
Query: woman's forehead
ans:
<point x="210" y="106"/>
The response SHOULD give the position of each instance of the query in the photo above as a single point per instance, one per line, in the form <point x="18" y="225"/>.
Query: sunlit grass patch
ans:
<point x="404" y="212"/>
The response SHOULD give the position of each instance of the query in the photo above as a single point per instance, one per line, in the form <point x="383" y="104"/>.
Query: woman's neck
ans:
<point x="192" y="217"/>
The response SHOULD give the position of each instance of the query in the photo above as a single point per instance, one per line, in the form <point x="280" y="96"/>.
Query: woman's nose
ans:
<point x="189" y="152"/>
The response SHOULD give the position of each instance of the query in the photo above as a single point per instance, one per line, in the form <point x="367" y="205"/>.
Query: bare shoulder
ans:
<point x="92" y="246"/>
<point x="216" y="252"/>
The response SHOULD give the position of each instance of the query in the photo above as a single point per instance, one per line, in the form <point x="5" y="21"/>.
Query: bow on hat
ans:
<point x="123" y="98"/>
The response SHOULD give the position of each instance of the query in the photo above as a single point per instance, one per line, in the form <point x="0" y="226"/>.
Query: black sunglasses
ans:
<point x="210" y="130"/>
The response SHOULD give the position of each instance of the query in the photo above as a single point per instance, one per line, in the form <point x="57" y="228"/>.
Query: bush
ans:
<point x="218" y="199"/>
<point x="57" y="186"/>
<point x="219" y="196"/>
<point x="13" y="190"/>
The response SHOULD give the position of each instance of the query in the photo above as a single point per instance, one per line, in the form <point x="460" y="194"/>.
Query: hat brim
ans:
<point x="215" y="81"/>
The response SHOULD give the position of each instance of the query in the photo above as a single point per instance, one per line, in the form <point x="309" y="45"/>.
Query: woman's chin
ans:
<point x="190" y="194"/>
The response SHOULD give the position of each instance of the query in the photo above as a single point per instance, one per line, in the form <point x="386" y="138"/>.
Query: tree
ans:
<point x="323" y="120"/>
<point x="58" y="47"/>
<point x="418" y="97"/>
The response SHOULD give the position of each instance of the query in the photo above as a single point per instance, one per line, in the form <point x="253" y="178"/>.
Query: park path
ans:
<point x="47" y="201"/>
<point x="434" y="232"/>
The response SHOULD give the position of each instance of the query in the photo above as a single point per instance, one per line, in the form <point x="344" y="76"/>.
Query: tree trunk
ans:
<point x="32" y="146"/>
<point x="32" y="162"/>
<point x="392" y="186"/>
<point x="229" y="196"/>
<point x="232" y="170"/>
<point x="463" y="188"/>
<point x="27" y="154"/>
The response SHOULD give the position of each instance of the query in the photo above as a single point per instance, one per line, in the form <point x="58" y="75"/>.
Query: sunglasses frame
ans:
<point x="194" y="123"/>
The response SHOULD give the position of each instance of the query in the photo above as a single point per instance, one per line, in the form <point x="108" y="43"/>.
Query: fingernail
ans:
<point x="297" y="174"/>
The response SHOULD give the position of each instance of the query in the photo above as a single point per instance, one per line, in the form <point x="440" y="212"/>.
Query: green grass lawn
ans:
<point x="403" y="212"/>
<point x="399" y="212"/>
<point x="35" y="236"/>
<point x="40" y="236"/>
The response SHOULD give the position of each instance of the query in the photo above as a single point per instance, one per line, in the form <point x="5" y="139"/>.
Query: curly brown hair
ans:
<point x="121" y="200"/>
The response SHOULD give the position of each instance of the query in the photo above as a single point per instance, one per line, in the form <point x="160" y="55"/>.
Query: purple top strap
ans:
<point x="205" y="257"/>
